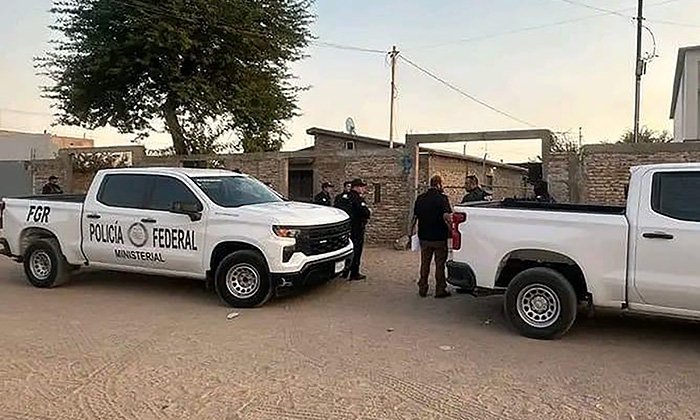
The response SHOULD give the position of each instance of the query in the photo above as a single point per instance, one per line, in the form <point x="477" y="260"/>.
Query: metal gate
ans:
<point x="15" y="179"/>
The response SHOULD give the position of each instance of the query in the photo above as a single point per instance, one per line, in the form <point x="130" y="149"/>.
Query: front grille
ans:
<point x="319" y="240"/>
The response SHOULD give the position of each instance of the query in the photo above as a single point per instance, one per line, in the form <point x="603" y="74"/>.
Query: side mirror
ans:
<point x="194" y="210"/>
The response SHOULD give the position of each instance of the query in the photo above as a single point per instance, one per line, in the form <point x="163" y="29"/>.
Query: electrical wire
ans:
<point x="604" y="12"/>
<point x="462" y="92"/>
<point x="165" y="12"/>
<point x="608" y="11"/>
<point x="346" y="47"/>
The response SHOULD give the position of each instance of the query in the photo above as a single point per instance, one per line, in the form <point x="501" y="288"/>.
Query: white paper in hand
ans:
<point x="415" y="243"/>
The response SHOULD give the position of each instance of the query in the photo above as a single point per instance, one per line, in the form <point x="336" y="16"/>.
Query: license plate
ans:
<point x="339" y="266"/>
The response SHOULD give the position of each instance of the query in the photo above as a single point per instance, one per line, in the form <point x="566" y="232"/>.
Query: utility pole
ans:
<point x="638" y="70"/>
<point x="393" y="54"/>
<point x="580" y="136"/>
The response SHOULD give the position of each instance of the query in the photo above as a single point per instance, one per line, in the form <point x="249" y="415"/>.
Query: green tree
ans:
<point x="200" y="68"/>
<point x="646" y="135"/>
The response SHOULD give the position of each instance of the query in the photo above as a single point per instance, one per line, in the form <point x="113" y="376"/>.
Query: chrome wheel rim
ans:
<point x="538" y="305"/>
<point x="243" y="281"/>
<point x="40" y="265"/>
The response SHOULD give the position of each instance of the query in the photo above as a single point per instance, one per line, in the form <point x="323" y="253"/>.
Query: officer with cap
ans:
<point x="324" y="197"/>
<point x="359" y="216"/>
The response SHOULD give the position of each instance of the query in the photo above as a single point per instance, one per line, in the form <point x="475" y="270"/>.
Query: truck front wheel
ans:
<point x="242" y="280"/>
<point x="541" y="303"/>
<point x="44" y="264"/>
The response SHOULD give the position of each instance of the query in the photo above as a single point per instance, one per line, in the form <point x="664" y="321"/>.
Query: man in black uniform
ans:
<point x="433" y="214"/>
<point x="359" y="216"/>
<point x="324" y="197"/>
<point x="342" y="199"/>
<point x="52" y="186"/>
<point x="474" y="191"/>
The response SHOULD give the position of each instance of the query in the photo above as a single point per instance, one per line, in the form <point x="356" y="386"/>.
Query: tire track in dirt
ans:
<point x="300" y="414"/>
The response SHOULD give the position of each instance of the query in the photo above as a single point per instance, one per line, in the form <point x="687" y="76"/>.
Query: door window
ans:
<point x="166" y="191"/>
<point x="677" y="195"/>
<point x="124" y="190"/>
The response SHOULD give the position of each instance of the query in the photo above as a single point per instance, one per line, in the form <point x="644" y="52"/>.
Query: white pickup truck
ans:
<point x="548" y="258"/>
<point x="220" y="226"/>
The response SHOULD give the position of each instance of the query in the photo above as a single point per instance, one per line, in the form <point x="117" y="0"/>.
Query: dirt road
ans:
<point x="115" y="346"/>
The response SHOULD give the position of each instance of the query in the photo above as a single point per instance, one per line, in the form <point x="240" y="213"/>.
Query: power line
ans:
<point x="604" y="12"/>
<point x="164" y="11"/>
<point x="660" y="21"/>
<point x="597" y="9"/>
<point x="463" y="93"/>
<point x="346" y="47"/>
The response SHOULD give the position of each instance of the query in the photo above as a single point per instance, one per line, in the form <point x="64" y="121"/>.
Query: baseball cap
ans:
<point x="326" y="185"/>
<point x="357" y="182"/>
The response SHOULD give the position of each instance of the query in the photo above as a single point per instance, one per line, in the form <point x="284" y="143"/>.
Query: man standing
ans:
<point x="359" y="216"/>
<point x="342" y="200"/>
<point x="52" y="186"/>
<point x="474" y="191"/>
<point x="433" y="214"/>
<point x="324" y="197"/>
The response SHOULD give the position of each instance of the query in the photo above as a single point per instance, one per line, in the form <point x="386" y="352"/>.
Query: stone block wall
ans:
<point x="600" y="174"/>
<point x="41" y="170"/>
<point x="606" y="168"/>
<point x="507" y="181"/>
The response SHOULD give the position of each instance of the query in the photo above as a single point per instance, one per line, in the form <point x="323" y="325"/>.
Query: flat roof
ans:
<point x="422" y="150"/>
<point x="680" y="65"/>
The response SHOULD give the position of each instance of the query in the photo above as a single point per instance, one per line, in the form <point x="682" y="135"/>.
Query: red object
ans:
<point x="457" y="219"/>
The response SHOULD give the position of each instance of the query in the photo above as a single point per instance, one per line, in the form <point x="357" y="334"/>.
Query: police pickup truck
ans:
<point x="546" y="258"/>
<point x="223" y="227"/>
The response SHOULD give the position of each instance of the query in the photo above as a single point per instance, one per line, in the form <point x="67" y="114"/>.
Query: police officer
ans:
<point x="52" y="186"/>
<point x="359" y="216"/>
<point x="474" y="191"/>
<point x="342" y="200"/>
<point x="324" y="197"/>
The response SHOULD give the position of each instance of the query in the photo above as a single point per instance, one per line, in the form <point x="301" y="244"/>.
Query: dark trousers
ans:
<point x="358" y="243"/>
<point x="428" y="250"/>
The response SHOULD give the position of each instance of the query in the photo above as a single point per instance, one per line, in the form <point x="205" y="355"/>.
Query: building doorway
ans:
<point x="301" y="185"/>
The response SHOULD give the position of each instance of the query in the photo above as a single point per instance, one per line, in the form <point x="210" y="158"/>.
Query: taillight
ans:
<point x="457" y="219"/>
<point x="2" y="213"/>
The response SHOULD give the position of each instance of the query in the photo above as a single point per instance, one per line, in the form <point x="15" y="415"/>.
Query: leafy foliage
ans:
<point x="646" y="135"/>
<point x="200" y="67"/>
<point x="91" y="162"/>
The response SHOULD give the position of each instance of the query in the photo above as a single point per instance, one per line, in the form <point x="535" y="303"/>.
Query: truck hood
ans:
<point x="290" y="213"/>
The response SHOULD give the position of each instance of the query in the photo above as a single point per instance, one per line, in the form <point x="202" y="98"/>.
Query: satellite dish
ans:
<point x="350" y="126"/>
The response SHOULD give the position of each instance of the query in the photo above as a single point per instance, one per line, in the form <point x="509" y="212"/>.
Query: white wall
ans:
<point x="686" y="121"/>
<point x="25" y="146"/>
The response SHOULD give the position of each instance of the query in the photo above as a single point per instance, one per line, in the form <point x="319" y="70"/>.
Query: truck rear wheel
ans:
<point x="44" y="264"/>
<point x="541" y="303"/>
<point x="242" y="280"/>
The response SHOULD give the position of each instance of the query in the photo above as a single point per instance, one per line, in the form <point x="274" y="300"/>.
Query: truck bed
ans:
<point x="510" y="203"/>
<point x="65" y="198"/>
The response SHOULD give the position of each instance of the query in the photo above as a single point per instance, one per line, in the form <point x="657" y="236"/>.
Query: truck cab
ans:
<point x="220" y="226"/>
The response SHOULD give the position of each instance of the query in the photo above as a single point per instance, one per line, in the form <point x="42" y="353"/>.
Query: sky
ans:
<point x="557" y="76"/>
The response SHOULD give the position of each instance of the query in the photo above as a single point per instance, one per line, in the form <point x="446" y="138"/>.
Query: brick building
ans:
<point x="334" y="157"/>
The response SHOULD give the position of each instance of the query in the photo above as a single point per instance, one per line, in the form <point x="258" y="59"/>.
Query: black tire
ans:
<point x="252" y="287"/>
<point x="554" y="296"/>
<point x="44" y="263"/>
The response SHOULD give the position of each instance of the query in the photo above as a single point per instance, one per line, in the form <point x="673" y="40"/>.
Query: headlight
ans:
<point x="286" y="232"/>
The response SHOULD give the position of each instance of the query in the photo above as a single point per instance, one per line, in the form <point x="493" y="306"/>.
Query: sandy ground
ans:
<point x="115" y="346"/>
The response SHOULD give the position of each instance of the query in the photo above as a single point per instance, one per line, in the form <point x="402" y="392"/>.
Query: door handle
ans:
<point x="148" y="220"/>
<point x="93" y="216"/>
<point x="657" y="235"/>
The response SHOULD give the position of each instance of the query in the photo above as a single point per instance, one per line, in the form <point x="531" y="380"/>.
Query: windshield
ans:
<point x="236" y="191"/>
